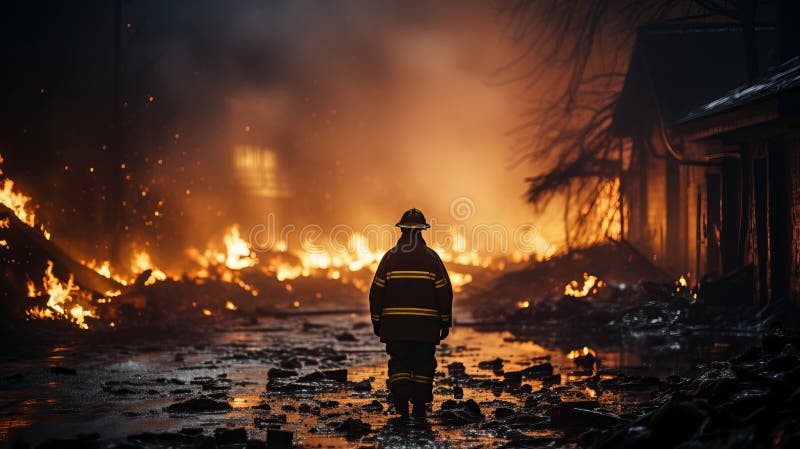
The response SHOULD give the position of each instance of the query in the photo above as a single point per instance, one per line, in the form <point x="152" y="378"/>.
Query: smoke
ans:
<point x="369" y="108"/>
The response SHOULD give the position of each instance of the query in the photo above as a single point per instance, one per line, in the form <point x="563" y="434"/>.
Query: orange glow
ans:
<point x="575" y="353"/>
<point x="62" y="301"/>
<point x="590" y="285"/>
<point x="17" y="202"/>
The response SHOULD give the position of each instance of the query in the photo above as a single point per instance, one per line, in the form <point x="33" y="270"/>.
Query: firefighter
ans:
<point x="411" y="301"/>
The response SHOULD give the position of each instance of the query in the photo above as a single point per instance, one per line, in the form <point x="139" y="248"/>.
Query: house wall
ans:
<point x="793" y="147"/>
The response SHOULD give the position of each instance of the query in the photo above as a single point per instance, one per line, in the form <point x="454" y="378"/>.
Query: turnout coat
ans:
<point x="411" y="297"/>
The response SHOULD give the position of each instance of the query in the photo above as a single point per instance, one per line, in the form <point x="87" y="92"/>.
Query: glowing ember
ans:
<point x="230" y="306"/>
<point x="682" y="283"/>
<point x="523" y="304"/>
<point x="575" y="353"/>
<point x="207" y="312"/>
<point x="590" y="285"/>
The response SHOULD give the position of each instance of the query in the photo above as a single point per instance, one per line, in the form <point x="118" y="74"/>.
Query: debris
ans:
<point x="230" y="436"/>
<point x="494" y="365"/>
<point x="353" y="428"/>
<point x="336" y="375"/>
<point x="374" y="406"/>
<point x="503" y="412"/>
<point x="567" y="414"/>
<point x="279" y="373"/>
<point x="455" y="413"/>
<point x="346" y="336"/>
<point x="263" y="406"/>
<point x="199" y="405"/>
<point x="279" y="439"/>
<point x="364" y="385"/>
<point x="291" y="364"/>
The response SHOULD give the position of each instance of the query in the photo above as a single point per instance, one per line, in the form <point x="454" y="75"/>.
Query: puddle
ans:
<point x="122" y="388"/>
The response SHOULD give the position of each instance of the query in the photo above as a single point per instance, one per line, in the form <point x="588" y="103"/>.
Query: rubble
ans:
<point x="352" y="428"/>
<point x="199" y="405"/>
<point x="459" y="413"/>
<point x="230" y="436"/>
<point x="751" y="399"/>
<point x="279" y="439"/>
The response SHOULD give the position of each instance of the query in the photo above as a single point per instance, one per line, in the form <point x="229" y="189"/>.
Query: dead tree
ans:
<point x="571" y="63"/>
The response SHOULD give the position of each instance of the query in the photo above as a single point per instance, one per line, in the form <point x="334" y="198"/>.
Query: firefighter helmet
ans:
<point x="413" y="219"/>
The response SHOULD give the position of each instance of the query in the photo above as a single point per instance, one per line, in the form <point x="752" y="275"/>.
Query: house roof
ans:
<point x="676" y="68"/>
<point x="781" y="79"/>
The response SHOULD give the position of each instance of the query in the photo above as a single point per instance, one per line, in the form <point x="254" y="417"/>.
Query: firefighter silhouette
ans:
<point x="411" y="301"/>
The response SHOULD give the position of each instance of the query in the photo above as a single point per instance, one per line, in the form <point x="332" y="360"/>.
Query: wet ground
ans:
<point x="144" y="392"/>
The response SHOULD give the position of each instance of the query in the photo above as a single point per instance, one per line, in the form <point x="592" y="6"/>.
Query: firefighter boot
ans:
<point x="419" y="412"/>
<point x="402" y="408"/>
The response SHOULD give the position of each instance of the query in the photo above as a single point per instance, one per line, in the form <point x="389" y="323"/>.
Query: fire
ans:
<point x="104" y="269"/>
<point x="523" y="304"/>
<point x="459" y="280"/>
<point x="141" y="262"/>
<point x="239" y="255"/>
<point x="575" y="353"/>
<point x="230" y="306"/>
<point x="62" y="302"/>
<point x="17" y="202"/>
<point x="682" y="282"/>
<point x="590" y="285"/>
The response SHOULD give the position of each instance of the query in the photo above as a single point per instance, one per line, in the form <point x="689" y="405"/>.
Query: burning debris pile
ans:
<point x="42" y="282"/>
<point x="615" y="298"/>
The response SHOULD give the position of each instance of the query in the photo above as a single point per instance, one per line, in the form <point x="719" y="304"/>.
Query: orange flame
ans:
<point x="590" y="285"/>
<point x="62" y="302"/>
<point x="575" y="353"/>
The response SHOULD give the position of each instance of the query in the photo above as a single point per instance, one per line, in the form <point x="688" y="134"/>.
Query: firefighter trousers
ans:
<point x="411" y="368"/>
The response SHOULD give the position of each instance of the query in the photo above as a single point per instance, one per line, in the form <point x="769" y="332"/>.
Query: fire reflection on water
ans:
<point x="80" y="400"/>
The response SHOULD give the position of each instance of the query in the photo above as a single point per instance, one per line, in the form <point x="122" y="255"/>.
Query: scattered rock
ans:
<point x="364" y="385"/>
<point x="567" y="414"/>
<point x="455" y="413"/>
<point x="353" y="428"/>
<point x="336" y="375"/>
<point x="456" y="369"/>
<point x="346" y="336"/>
<point x="230" y="436"/>
<point x="279" y="373"/>
<point x="279" y="439"/>
<point x="291" y="364"/>
<point x="374" y="406"/>
<point x="494" y="365"/>
<point x="503" y="412"/>
<point x="199" y="405"/>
